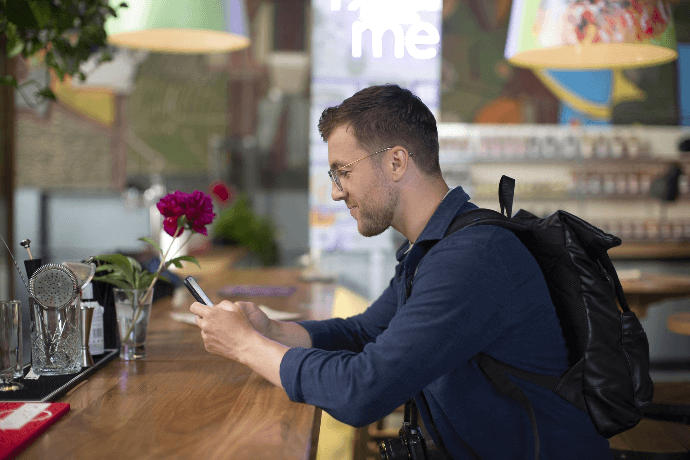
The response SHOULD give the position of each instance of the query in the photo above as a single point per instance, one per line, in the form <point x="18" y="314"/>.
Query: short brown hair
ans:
<point x="384" y="116"/>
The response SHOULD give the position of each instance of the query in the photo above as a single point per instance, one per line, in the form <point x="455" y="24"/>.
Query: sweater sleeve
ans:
<point x="454" y="312"/>
<point x="355" y="332"/>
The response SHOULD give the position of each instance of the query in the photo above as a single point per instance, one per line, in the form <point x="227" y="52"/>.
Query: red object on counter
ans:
<point x="22" y="422"/>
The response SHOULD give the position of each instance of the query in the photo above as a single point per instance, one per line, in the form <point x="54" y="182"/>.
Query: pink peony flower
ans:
<point x="196" y="207"/>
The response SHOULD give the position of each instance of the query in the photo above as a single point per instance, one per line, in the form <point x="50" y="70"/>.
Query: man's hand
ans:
<point x="233" y="331"/>
<point x="258" y="319"/>
<point x="225" y="328"/>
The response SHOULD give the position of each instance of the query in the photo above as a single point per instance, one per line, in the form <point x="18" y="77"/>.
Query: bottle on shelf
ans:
<point x="609" y="184"/>
<point x="594" y="184"/>
<point x="587" y="147"/>
<point x="570" y="148"/>
<point x="96" y="337"/>
<point x="621" y="184"/>
<point x="645" y="183"/>
<point x="652" y="229"/>
<point x="617" y="148"/>
<point x="601" y="148"/>
<point x="550" y="147"/>
<point x="633" y="148"/>
<point x="633" y="183"/>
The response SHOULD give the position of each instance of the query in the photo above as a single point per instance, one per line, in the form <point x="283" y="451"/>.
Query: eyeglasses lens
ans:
<point x="334" y="177"/>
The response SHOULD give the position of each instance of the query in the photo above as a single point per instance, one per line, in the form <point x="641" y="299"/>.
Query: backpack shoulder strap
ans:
<point x="500" y="381"/>
<point x="506" y="192"/>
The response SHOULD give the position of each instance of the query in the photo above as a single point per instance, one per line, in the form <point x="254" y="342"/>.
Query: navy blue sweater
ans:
<point x="479" y="290"/>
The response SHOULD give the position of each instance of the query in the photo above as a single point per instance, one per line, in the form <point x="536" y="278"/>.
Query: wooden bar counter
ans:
<point x="180" y="402"/>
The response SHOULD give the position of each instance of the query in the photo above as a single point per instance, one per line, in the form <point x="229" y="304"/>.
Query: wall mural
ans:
<point x="146" y="114"/>
<point x="480" y="86"/>
<point x="58" y="144"/>
<point x="138" y="115"/>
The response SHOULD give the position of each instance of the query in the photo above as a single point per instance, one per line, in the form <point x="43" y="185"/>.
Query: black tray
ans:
<point x="49" y="388"/>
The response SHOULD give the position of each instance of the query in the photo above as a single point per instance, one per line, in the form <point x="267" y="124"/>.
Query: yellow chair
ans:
<point x="336" y="439"/>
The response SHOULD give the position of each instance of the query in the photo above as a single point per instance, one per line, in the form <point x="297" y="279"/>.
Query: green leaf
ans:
<point x="114" y="281"/>
<point x="15" y="45"/>
<point x="109" y="268"/>
<point x="177" y="261"/>
<point x="41" y="12"/>
<point x="116" y="259"/>
<point x="126" y="268"/>
<point x="17" y="12"/>
<point x="53" y="63"/>
<point x="46" y="93"/>
<point x="145" y="280"/>
<point x="148" y="240"/>
<point x="106" y="57"/>
<point x="8" y="80"/>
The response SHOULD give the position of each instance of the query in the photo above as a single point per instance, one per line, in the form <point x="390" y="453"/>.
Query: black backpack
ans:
<point x="608" y="351"/>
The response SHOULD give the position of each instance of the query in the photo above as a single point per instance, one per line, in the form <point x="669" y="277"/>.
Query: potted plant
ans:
<point x="238" y="224"/>
<point x="133" y="285"/>
<point x="69" y="32"/>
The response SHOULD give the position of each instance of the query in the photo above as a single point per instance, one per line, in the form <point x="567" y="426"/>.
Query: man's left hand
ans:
<point x="225" y="329"/>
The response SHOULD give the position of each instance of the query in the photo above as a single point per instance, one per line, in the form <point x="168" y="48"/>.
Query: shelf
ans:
<point x="575" y="161"/>
<point x="597" y="198"/>
<point x="651" y="250"/>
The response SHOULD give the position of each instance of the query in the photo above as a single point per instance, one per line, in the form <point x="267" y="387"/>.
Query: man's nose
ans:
<point x="336" y="194"/>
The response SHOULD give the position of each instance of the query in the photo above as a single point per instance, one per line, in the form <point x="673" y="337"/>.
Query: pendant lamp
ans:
<point x="590" y="34"/>
<point x="180" y="26"/>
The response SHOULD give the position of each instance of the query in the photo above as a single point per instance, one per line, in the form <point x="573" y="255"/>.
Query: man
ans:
<point x="478" y="290"/>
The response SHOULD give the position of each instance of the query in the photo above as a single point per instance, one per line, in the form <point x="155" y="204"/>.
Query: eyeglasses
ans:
<point x="333" y="173"/>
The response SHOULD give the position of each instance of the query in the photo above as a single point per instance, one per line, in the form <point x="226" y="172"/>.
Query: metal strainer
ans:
<point x="53" y="285"/>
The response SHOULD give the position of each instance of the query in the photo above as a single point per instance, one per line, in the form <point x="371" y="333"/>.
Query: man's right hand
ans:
<point x="285" y="332"/>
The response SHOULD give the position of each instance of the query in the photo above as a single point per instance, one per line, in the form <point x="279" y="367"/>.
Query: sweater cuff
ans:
<point x="319" y="332"/>
<point x="290" y="367"/>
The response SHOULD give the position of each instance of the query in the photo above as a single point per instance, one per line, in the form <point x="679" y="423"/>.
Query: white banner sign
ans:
<point x="356" y="44"/>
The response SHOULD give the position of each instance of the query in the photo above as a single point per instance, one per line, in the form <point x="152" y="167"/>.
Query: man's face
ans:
<point x="367" y="191"/>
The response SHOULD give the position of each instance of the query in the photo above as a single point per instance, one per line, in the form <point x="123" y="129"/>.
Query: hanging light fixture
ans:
<point x="590" y="34"/>
<point x="180" y="26"/>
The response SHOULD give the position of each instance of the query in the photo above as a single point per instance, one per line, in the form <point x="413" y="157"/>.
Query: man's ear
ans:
<point x="398" y="162"/>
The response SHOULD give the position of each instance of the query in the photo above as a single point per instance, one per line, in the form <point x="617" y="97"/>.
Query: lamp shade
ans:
<point x="180" y="26"/>
<point x="590" y="34"/>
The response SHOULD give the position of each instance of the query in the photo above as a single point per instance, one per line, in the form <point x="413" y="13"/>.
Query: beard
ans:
<point x="377" y="215"/>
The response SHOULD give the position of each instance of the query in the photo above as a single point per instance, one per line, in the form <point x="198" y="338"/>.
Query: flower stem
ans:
<point x="159" y="270"/>
<point x="183" y="244"/>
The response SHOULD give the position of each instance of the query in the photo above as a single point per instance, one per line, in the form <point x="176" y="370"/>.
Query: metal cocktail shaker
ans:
<point x="86" y="315"/>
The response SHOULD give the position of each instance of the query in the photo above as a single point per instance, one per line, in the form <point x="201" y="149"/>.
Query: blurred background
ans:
<point x="81" y="174"/>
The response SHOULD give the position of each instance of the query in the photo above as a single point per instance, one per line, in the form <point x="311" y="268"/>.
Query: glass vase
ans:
<point x="133" y="309"/>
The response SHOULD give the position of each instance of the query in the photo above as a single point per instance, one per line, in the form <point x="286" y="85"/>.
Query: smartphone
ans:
<point x="196" y="291"/>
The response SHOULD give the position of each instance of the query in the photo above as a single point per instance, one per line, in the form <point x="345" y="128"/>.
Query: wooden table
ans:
<point x="649" y="288"/>
<point x="181" y="402"/>
<point x="679" y="323"/>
